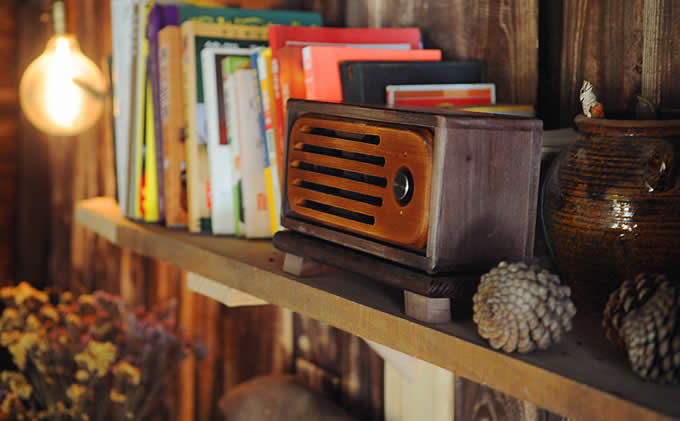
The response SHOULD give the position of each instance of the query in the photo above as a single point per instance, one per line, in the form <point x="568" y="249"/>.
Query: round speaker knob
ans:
<point x="402" y="186"/>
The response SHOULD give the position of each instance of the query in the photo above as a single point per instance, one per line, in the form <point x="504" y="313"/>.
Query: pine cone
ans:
<point x="631" y="295"/>
<point x="652" y="335"/>
<point x="518" y="307"/>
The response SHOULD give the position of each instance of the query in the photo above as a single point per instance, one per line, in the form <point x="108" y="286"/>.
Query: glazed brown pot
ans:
<point x="611" y="206"/>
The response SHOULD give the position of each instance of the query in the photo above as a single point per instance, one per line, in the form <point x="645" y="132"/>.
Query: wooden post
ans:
<point x="426" y="309"/>
<point x="300" y="266"/>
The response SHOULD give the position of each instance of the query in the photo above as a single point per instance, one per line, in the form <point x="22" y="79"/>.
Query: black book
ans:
<point x="364" y="82"/>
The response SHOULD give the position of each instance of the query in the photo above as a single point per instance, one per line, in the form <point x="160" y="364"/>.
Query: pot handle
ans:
<point x="660" y="169"/>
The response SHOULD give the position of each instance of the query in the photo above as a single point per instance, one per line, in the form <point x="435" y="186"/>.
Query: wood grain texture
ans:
<point x="660" y="61"/>
<point x="581" y="377"/>
<point x="601" y="42"/>
<point x="341" y="356"/>
<point x="474" y="231"/>
<point x="9" y="133"/>
<point x="34" y="187"/>
<point x="502" y="33"/>
<point x="475" y="402"/>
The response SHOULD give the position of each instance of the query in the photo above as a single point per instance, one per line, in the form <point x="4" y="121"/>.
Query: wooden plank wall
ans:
<point x="9" y="131"/>
<point x="537" y="51"/>
<point x="625" y="48"/>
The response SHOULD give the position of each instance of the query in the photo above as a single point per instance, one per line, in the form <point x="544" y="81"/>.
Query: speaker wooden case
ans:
<point x="436" y="191"/>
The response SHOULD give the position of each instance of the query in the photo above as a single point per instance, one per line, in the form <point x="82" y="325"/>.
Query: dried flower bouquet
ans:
<point x="87" y="358"/>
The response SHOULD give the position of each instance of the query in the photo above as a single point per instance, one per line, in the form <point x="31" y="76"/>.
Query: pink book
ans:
<point x="322" y="75"/>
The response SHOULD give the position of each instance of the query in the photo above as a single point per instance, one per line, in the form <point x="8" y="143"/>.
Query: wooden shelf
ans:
<point x="584" y="377"/>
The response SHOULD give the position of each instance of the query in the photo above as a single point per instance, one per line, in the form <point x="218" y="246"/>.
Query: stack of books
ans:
<point x="200" y="102"/>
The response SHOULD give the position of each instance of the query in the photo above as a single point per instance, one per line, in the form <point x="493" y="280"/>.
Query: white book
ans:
<point x="123" y="21"/>
<point x="234" y="153"/>
<point x="252" y="155"/>
<point x="220" y="160"/>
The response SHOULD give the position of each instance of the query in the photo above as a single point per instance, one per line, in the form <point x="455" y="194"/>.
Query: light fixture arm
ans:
<point x="59" y="17"/>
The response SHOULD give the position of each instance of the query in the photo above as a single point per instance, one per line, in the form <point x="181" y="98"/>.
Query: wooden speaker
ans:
<point x="432" y="190"/>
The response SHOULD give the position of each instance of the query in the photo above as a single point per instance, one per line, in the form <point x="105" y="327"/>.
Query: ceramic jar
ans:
<point x="610" y="206"/>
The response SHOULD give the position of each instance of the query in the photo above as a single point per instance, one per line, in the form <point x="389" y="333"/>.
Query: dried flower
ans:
<point x="17" y="383"/>
<point x="11" y="404"/>
<point x="86" y="299"/>
<point x="85" y="355"/>
<point x="116" y="396"/>
<point x="73" y="320"/>
<point x="127" y="371"/>
<point x="49" y="313"/>
<point x="20" y="349"/>
<point x="66" y="298"/>
<point x="82" y="376"/>
<point x="76" y="392"/>
<point x="33" y="323"/>
<point x="22" y="293"/>
<point x="10" y="319"/>
<point x="9" y="338"/>
<point x="97" y="357"/>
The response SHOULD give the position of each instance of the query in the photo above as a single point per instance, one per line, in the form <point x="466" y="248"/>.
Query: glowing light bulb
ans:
<point x="61" y="92"/>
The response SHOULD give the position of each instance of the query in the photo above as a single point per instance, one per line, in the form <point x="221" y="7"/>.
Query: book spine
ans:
<point x="308" y="72"/>
<point x="172" y="119"/>
<point x="252" y="156"/>
<point x="197" y="187"/>
<point x="150" y="191"/>
<point x="278" y="112"/>
<point x="268" y="123"/>
<point x="139" y="113"/>
<point x="122" y="20"/>
<point x="235" y="156"/>
<point x="154" y="25"/>
<point x="222" y="211"/>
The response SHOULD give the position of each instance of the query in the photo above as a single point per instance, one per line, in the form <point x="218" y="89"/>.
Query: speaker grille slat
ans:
<point x="343" y="154"/>
<point x="330" y="142"/>
<point x="347" y="194"/>
<point x="340" y="173"/>
<point x="353" y="136"/>
<point x="337" y="163"/>
<point x="332" y="200"/>
<point x="296" y="175"/>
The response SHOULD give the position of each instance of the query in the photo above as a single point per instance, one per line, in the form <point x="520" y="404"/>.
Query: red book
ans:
<point x="442" y="95"/>
<point x="322" y="74"/>
<point x="294" y="38"/>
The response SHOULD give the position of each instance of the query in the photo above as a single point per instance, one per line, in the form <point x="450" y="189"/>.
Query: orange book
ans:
<point x="291" y="75"/>
<point x="322" y="74"/>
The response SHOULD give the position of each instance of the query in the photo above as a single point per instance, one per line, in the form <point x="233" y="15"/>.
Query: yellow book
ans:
<point x="150" y="188"/>
<point x="271" y="172"/>
<point x="136" y="192"/>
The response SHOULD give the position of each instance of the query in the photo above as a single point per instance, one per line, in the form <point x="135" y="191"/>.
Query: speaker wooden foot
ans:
<point x="303" y="267"/>
<point x="426" y="309"/>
